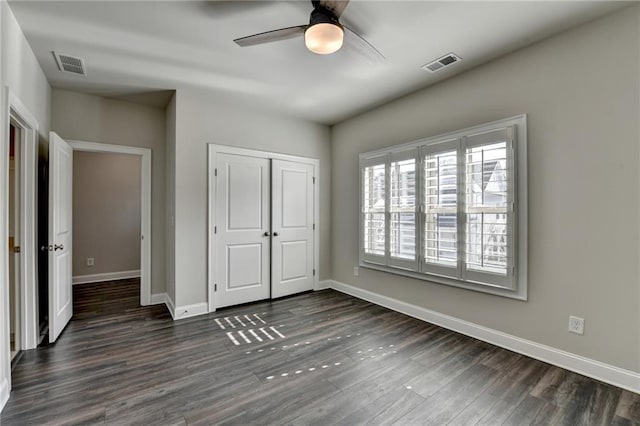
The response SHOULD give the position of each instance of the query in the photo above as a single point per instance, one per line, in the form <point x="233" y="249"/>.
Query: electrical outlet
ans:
<point x="576" y="325"/>
<point x="356" y="271"/>
<point x="90" y="261"/>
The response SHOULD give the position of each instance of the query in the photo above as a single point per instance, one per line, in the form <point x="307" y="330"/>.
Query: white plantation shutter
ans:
<point x="440" y="209"/>
<point x="403" y="223"/>
<point x="488" y="209"/>
<point x="373" y="215"/>
<point x="444" y="209"/>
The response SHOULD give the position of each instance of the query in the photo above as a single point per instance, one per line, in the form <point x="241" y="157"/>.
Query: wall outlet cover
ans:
<point x="576" y="325"/>
<point x="90" y="261"/>
<point x="356" y="271"/>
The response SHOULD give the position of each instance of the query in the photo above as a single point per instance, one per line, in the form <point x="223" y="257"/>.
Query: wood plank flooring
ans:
<point x="341" y="361"/>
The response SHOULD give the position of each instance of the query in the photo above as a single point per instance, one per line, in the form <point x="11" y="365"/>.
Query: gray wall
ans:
<point x="90" y="118"/>
<point x="106" y="212"/>
<point x="208" y="120"/>
<point x="580" y="91"/>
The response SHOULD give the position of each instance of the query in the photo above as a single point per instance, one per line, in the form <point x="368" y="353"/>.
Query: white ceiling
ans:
<point x="134" y="47"/>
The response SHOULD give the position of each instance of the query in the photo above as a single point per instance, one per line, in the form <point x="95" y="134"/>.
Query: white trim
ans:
<point x="20" y="114"/>
<point x="163" y="298"/>
<point x="107" y="276"/>
<point x="145" y="207"/>
<point x="171" y="306"/>
<point x="159" y="298"/>
<point x="214" y="149"/>
<point x="323" y="285"/>
<point x="607" y="373"/>
<point x="188" y="311"/>
<point x="4" y="392"/>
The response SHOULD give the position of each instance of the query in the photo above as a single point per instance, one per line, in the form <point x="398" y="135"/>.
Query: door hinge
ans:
<point x="314" y="272"/>
<point x="215" y="172"/>
<point x="16" y="249"/>
<point x="314" y="226"/>
<point x="314" y="180"/>
<point x="215" y="229"/>
<point x="215" y="287"/>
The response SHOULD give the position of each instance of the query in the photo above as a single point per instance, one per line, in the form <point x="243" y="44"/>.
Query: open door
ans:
<point x="60" y="227"/>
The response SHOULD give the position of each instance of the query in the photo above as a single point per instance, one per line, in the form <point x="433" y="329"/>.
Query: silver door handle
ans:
<point x="58" y="247"/>
<point x="47" y="248"/>
<point x="266" y="234"/>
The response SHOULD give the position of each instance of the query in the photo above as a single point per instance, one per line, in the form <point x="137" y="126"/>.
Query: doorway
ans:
<point x="106" y="217"/>
<point x="15" y="342"/>
<point x="21" y="150"/>
<point x="263" y="209"/>
<point x="142" y="159"/>
<point x="60" y="253"/>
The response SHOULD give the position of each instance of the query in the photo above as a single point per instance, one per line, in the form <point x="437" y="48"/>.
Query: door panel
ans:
<point x="60" y="238"/>
<point x="242" y="220"/>
<point x="244" y="265"/>
<point x="245" y="207"/>
<point x="292" y="242"/>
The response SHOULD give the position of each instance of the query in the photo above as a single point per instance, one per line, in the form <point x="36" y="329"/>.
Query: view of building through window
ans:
<point x="374" y="209"/>
<point x="403" y="209"/>
<point x="487" y="203"/>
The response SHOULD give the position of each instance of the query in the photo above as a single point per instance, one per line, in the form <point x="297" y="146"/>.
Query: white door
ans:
<point x="292" y="242"/>
<point x="242" y="230"/>
<point x="60" y="226"/>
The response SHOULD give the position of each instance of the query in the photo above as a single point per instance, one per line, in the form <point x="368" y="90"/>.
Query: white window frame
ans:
<point x="514" y="284"/>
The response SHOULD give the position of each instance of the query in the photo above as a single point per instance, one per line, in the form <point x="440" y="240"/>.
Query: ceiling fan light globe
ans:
<point x="324" y="38"/>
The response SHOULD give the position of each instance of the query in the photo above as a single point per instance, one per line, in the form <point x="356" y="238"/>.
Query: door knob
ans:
<point x="266" y="234"/>
<point x="275" y="234"/>
<point x="58" y="247"/>
<point x="47" y="248"/>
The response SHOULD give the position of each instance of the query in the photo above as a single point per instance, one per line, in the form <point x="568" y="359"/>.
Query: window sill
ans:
<point x="520" y="293"/>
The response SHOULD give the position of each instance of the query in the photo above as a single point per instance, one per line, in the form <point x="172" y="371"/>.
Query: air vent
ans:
<point x="70" y="64"/>
<point x="440" y="63"/>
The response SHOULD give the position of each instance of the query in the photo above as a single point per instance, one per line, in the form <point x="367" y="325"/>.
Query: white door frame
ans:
<point x="213" y="150"/>
<point x="18" y="114"/>
<point x="145" y="211"/>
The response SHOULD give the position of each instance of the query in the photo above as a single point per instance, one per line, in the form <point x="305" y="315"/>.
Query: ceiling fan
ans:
<point x="323" y="35"/>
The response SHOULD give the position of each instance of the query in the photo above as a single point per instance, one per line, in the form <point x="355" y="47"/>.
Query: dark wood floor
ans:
<point x="341" y="361"/>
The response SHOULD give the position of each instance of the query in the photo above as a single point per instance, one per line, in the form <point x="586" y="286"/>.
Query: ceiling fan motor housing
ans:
<point x="320" y="15"/>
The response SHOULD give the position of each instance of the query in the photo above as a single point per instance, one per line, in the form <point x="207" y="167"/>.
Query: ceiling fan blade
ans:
<point x="335" y="6"/>
<point x="271" y="36"/>
<point x="355" y="41"/>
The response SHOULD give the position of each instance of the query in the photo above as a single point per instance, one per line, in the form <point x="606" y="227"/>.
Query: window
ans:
<point x="445" y="208"/>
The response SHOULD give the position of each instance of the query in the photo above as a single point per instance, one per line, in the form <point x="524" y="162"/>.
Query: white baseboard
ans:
<point x="108" y="276"/>
<point x="170" y="306"/>
<point x="159" y="298"/>
<point x="188" y="311"/>
<point x="4" y="393"/>
<point x="323" y="285"/>
<point x="607" y="373"/>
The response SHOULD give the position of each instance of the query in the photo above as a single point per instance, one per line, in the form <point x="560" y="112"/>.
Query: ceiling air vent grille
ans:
<point x="70" y="64"/>
<point x="440" y="63"/>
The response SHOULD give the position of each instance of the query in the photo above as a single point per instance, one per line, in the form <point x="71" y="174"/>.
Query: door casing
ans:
<point x="145" y="206"/>
<point x="18" y="114"/>
<point x="213" y="150"/>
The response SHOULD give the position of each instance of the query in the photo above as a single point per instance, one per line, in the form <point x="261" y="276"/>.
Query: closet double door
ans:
<point x="264" y="228"/>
